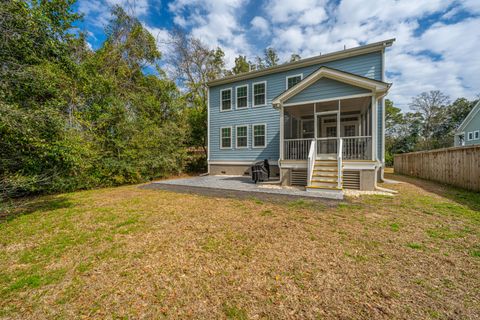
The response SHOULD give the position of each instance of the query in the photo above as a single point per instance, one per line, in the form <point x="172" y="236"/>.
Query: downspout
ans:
<point x="383" y="119"/>
<point x="208" y="131"/>
<point x="282" y="122"/>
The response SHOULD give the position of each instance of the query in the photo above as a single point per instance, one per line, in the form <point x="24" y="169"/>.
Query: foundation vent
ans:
<point x="351" y="180"/>
<point x="298" y="177"/>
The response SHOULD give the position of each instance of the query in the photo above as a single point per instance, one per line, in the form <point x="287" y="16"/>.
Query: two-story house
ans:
<point x="319" y="121"/>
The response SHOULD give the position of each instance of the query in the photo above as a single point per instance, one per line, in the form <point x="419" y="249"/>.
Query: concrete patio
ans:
<point x="240" y="183"/>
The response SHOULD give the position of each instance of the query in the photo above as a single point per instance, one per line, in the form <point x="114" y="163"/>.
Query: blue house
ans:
<point x="468" y="133"/>
<point x="319" y="121"/>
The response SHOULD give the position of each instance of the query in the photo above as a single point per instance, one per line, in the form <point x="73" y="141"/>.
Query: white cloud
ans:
<point x="216" y="23"/>
<point x="260" y="24"/>
<point x="424" y="57"/>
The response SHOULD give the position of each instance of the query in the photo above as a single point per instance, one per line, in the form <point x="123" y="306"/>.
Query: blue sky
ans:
<point x="436" y="48"/>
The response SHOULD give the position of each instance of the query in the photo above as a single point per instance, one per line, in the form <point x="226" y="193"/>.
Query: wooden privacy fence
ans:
<point x="458" y="166"/>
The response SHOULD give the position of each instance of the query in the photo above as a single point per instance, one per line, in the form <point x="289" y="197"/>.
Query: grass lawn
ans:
<point x="130" y="253"/>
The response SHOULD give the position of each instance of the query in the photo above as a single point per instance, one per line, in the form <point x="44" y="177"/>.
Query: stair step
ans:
<point x="325" y="181"/>
<point x="325" y="170"/>
<point x="326" y="187"/>
<point x="325" y="175"/>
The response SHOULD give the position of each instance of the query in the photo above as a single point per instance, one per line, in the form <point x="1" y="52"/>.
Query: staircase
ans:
<point x="325" y="173"/>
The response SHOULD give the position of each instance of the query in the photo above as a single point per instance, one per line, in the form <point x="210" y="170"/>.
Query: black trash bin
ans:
<point x="260" y="171"/>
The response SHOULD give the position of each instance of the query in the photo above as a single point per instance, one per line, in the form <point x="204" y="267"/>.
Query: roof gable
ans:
<point x="470" y="116"/>
<point x="377" y="87"/>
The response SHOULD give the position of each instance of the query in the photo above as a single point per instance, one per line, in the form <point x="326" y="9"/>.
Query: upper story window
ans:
<point x="470" y="136"/>
<point x="242" y="96"/>
<point x="476" y="135"/>
<point x="226" y="137"/>
<point x="259" y="94"/>
<point x="226" y="99"/>
<point x="293" y="80"/>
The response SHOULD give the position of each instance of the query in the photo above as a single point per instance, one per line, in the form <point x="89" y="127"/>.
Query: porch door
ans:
<point x="327" y="132"/>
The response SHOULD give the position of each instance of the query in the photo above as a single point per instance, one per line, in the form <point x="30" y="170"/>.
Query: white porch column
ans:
<point x="374" y="128"/>
<point x="282" y="124"/>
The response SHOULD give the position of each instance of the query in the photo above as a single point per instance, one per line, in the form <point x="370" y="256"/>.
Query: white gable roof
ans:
<point x="377" y="87"/>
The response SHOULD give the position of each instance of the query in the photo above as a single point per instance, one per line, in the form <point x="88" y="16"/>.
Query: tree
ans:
<point x="194" y="65"/>
<point x="271" y="57"/>
<point x="295" y="57"/>
<point x="75" y="118"/>
<point x="241" y="65"/>
<point x="431" y="105"/>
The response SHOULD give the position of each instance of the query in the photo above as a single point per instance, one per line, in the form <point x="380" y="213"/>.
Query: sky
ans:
<point x="437" y="43"/>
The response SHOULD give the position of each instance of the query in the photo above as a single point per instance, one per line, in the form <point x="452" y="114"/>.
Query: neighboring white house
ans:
<point x="468" y="133"/>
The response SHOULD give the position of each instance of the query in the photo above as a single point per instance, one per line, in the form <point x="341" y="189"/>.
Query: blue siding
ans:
<point x="367" y="65"/>
<point x="326" y="89"/>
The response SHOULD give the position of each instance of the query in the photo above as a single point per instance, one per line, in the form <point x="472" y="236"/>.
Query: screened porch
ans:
<point x="334" y="124"/>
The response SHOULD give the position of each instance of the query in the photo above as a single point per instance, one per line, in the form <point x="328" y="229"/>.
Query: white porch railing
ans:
<point x="353" y="148"/>
<point x="296" y="149"/>
<point x="339" y="163"/>
<point x="311" y="162"/>
<point x="327" y="146"/>
<point x="357" y="148"/>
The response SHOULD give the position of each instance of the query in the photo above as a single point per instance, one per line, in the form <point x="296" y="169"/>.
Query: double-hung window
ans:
<point x="242" y="137"/>
<point x="293" y="80"/>
<point x="259" y="94"/>
<point x="259" y="135"/>
<point x="226" y="99"/>
<point x="470" y="136"/>
<point x="476" y="135"/>
<point x="226" y="138"/>
<point x="242" y="97"/>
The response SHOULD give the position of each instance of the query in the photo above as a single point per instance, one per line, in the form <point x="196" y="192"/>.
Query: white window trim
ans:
<point x="253" y="94"/>
<point x="236" y="97"/>
<point x="236" y="136"/>
<point x="292" y="76"/>
<point x="253" y="135"/>
<point x="468" y="136"/>
<point x="231" y="135"/>
<point x="231" y="99"/>
<point x="476" y="134"/>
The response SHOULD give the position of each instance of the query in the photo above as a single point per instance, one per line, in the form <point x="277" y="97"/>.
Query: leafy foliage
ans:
<point x="431" y="125"/>
<point x="73" y="118"/>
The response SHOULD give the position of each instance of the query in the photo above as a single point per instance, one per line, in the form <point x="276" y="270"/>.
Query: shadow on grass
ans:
<point x="12" y="209"/>
<point x="470" y="199"/>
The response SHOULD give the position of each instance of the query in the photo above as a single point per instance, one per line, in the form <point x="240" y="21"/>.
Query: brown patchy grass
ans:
<point x="134" y="253"/>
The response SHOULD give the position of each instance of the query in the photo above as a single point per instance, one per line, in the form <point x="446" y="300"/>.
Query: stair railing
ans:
<point x="339" y="163"/>
<point x="311" y="161"/>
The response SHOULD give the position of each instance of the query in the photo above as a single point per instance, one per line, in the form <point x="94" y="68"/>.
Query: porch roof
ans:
<point x="375" y="86"/>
